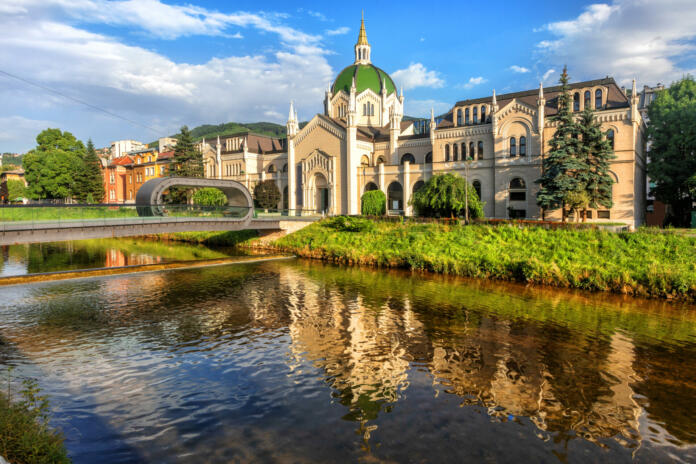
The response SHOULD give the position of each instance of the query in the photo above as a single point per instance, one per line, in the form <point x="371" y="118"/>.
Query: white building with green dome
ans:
<point x="360" y="142"/>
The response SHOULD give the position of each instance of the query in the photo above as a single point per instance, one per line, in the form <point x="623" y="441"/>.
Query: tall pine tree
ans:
<point x="188" y="162"/>
<point x="90" y="182"/>
<point x="597" y="152"/>
<point x="559" y="180"/>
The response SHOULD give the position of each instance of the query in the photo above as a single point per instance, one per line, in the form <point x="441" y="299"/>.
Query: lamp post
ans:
<point x="467" y="162"/>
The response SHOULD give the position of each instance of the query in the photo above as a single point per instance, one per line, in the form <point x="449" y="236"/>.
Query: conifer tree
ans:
<point x="597" y="152"/>
<point x="560" y="167"/>
<point x="90" y="182"/>
<point x="188" y="162"/>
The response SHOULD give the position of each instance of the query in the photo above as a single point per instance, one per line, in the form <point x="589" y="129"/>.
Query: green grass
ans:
<point x="642" y="263"/>
<point x="229" y="238"/>
<point x="25" y="437"/>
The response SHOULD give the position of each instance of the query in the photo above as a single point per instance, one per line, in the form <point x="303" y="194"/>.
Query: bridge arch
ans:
<point x="150" y="193"/>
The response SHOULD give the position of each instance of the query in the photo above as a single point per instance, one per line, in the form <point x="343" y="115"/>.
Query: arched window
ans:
<point x="523" y="146"/>
<point x="480" y="150"/>
<point x="610" y="137"/>
<point x="464" y="155"/>
<point x="588" y="102"/>
<point x="364" y="161"/>
<point x="408" y="157"/>
<point x="475" y="115"/>
<point x="380" y="160"/>
<point x="429" y="157"/>
<point x="598" y="99"/>
<point x="271" y="169"/>
<point x="395" y="197"/>
<point x="447" y="154"/>
<point x="371" y="186"/>
<point x="285" y="197"/>
<point x="418" y="185"/>
<point x="513" y="147"/>
<point x="455" y="152"/>
<point x="459" y="117"/>
<point x="472" y="150"/>
<point x="477" y="187"/>
<point x="466" y="116"/>
<point x="517" y="190"/>
<point x="364" y="109"/>
<point x="483" y="114"/>
<point x="285" y="167"/>
<point x="576" y="101"/>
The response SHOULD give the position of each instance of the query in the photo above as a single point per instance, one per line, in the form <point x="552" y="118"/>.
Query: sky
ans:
<point x="156" y="65"/>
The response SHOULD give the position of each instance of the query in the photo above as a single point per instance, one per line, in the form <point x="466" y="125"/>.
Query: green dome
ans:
<point x="367" y="76"/>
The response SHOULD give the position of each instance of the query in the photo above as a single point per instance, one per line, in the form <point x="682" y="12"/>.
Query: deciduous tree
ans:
<point x="51" y="167"/>
<point x="445" y="195"/>
<point x="266" y="194"/>
<point x="672" y="135"/>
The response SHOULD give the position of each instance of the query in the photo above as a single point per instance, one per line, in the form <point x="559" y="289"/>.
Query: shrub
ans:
<point x="349" y="224"/>
<point x="374" y="203"/>
<point x="209" y="197"/>
<point x="266" y="194"/>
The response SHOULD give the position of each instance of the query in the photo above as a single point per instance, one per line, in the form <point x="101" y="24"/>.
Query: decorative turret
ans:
<point x="433" y="126"/>
<point x="494" y="110"/>
<point x="292" y="125"/>
<point x="362" y="48"/>
<point x="218" y="157"/>
<point x="327" y="102"/>
<point x="541" y="104"/>
<point x="634" y="102"/>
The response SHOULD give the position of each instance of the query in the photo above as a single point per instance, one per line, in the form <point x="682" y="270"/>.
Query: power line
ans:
<point x="77" y="100"/>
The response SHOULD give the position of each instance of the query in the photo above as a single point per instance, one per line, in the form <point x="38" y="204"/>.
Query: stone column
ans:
<point x="406" y="185"/>
<point x="292" y="174"/>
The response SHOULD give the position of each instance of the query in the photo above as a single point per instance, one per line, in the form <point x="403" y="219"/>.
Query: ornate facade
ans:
<point x="362" y="142"/>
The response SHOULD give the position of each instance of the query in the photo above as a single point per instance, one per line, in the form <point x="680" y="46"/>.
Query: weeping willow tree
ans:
<point x="446" y="195"/>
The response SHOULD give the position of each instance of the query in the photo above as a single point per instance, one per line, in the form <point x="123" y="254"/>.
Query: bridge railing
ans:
<point x="13" y="217"/>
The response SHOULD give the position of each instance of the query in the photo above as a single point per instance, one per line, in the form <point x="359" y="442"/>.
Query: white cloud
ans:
<point x="416" y="75"/>
<point x="519" y="69"/>
<point x="338" y="31"/>
<point x="625" y="39"/>
<point x="421" y="108"/>
<point x="144" y="85"/>
<point x="472" y="82"/>
<point x="547" y="74"/>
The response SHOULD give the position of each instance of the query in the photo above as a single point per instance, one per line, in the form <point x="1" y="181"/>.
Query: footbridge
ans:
<point x="148" y="216"/>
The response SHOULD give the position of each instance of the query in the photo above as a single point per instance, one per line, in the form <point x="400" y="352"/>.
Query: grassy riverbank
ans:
<point x="643" y="263"/>
<point x="25" y="437"/>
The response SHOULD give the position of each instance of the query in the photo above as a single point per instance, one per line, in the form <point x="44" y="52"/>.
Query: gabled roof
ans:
<point x="165" y="155"/>
<point x="122" y="161"/>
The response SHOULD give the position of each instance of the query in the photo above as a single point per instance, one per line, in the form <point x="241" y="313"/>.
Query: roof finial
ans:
<point x="292" y="111"/>
<point x="541" y="91"/>
<point x="633" y="88"/>
<point x="362" y="36"/>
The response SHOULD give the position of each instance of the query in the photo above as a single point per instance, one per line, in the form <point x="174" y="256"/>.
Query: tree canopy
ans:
<point x="266" y="194"/>
<point x="90" y="182"/>
<point x="209" y="196"/>
<point x="373" y="203"/>
<point x="445" y="195"/>
<point x="188" y="162"/>
<point x="672" y="137"/>
<point x="52" y="167"/>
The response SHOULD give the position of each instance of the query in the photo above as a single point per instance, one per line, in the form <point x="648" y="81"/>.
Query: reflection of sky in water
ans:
<point x="287" y="362"/>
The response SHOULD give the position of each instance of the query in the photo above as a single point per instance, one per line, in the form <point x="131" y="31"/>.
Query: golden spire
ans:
<point x="362" y="37"/>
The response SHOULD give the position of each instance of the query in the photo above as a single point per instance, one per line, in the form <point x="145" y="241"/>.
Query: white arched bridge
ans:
<point x="148" y="216"/>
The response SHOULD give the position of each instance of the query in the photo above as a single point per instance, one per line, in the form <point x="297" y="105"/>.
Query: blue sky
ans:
<point x="165" y="63"/>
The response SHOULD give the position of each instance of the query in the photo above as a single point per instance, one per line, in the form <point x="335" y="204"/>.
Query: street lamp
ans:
<point x="467" y="162"/>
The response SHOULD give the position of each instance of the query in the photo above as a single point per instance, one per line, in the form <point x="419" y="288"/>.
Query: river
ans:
<point x="298" y="361"/>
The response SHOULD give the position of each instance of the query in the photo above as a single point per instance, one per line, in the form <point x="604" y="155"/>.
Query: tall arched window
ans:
<point x="285" y="167"/>
<point x="418" y="185"/>
<point x="447" y="153"/>
<point x="466" y="116"/>
<point x="576" y="101"/>
<point x="380" y="160"/>
<point x="517" y="190"/>
<point x="464" y="154"/>
<point x="364" y="109"/>
<point x="455" y="152"/>
<point x="475" y="115"/>
<point x="588" y="97"/>
<point x="610" y="137"/>
<point x="477" y="187"/>
<point x="480" y="150"/>
<point x="483" y="114"/>
<point x="459" y="117"/>
<point x="371" y="186"/>
<point x="395" y="197"/>
<point x="523" y="146"/>
<point x="364" y="161"/>
<point x="271" y="169"/>
<point x="513" y="147"/>
<point x="429" y="157"/>
<point x="598" y="99"/>
<point x="472" y="150"/>
<point x="408" y="157"/>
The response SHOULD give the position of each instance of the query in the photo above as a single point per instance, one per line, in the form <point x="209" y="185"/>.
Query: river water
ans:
<point x="297" y="361"/>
